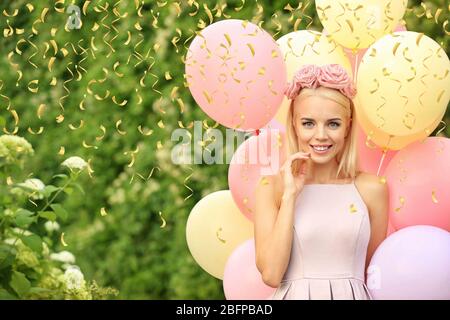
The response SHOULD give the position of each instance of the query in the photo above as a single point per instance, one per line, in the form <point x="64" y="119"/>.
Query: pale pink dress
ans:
<point x="331" y="234"/>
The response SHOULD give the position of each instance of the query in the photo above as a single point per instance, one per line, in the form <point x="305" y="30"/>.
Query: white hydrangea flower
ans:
<point x="10" y="241"/>
<point x="14" y="146"/>
<point x="51" y="226"/>
<point x="63" y="256"/>
<point x="33" y="184"/>
<point x="74" y="278"/>
<point x="22" y="232"/>
<point x="75" y="163"/>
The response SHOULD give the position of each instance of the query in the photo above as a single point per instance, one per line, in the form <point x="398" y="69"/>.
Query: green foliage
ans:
<point x="29" y="268"/>
<point x="126" y="248"/>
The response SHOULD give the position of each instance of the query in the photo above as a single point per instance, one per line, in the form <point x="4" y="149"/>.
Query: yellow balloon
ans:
<point x="215" y="227"/>
<point x="376" y="137"/>
<point x="356" y="24"/>
<point x="308" y="47"/>
<point x="403" y="86"/>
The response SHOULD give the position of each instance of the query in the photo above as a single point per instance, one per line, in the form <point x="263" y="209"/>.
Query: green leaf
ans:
<point x="62" y="176"/>
<point x="20" y="283"/>
<point x="7" y="256"/>
<point x="68" y="190"/>
<point x="60" y="211"/>
<point x="34" y="242"/>
<point x="2" y="122"/>
<point x="80" y="188"/>
<point x="49" y="215"/>
<point x="48" y="190"/>
<point x="24" y="218"/>
<point x="5" y="295"/>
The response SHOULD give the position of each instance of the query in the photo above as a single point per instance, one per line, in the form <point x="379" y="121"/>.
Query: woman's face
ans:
<point x="321" y="125"/>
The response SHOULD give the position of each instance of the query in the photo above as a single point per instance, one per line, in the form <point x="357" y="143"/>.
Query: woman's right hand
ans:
<point x="293" y="185"/>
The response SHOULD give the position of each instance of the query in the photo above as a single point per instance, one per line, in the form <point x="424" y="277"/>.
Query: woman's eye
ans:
<point x="334" y="125"/>
<point x="307" y="124"/>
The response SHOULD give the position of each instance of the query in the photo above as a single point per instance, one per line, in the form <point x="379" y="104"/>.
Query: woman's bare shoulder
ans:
<point x="371" y="187"/>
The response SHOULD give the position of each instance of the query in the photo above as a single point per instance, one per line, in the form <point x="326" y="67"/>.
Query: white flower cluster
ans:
<point x="36" y="187"/>
<point x="75" y="163"/>
<point x="63" y="256"/>
<point x="12" y="147"/>
<point x="74" y="278"/>
<point x="51" y="226"/>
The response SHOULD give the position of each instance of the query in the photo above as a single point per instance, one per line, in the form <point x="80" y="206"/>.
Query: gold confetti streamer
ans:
<point x="218" y="236"/>
<point x="433" y="196"/>
<point x="30" y="130"/>
<point x="103" y="212"/>
<point x="103" y="129"/>
<point x="117" y="128"/>
<point x="186" y="186"/>
<point x="5" y="97"/>
<point x="87" y="146"/>
<point x="148" y="133"/>
<point x="353" y="208"/>
<point x="163" y="221"/>
<point x="62" y="240"/>
<point x="402" y="202"/>
<point x="6" y="14"/>
<point x="61" y="151"/>
<point x="120" y="104"/>
<point x="72" y="127"/>
<point x="35" y="89"/>
<point x="89" y="168"/>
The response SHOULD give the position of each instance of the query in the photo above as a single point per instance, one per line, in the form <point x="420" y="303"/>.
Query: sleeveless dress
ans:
<point x="331" y="235"/>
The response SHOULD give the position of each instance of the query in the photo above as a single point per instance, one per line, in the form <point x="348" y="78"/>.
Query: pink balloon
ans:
<point x="370" y="158"/>
<point x="355" y="59"/>
<point x="241" y="279"/>
<point x="390" y="229"/>
<point x="400" y="27"/>
<point x="419" y="178"/>
<point x="236" y="74"/>
<point x="413" y="263"/>
<point x="257" y="156"/>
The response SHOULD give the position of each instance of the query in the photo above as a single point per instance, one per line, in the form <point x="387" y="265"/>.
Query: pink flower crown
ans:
<point x="331" y="76"/>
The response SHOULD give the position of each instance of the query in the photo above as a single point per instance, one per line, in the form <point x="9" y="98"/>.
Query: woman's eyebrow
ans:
<point x="333" y="119"/>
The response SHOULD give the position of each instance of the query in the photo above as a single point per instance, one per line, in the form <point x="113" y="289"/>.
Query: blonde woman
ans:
<point x="319" y="221"/>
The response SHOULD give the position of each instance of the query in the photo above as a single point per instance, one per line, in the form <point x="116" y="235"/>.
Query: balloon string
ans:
<point x="355" y="72"/>
<point x="385" y="149"/>
<point x="381" y="162"/>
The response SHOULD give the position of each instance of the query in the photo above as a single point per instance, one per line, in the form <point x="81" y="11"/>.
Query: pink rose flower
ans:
<point x="336" y="77"/>
<point x="332" y="76"/>
<point x="306" y="77"/>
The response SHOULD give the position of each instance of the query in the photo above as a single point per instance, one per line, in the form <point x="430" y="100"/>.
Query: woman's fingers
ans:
<point x="295" y="156"/>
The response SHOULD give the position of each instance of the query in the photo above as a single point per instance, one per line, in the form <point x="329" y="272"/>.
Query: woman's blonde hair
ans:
<point x="347" y="158"/>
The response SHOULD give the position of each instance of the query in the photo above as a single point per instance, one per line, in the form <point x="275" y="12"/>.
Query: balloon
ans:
<point x="307" y="47"/>
<point x="236" y="74"/>
<point x="390" y="229"/>
<point x="242" y="280"/>
<point x="375" y="136"/>
<point x="403" y="82"/>
<point x="356" y="24"/>
<point x="257" y="156"/>
<point x="419" y="178"/>
<point x="370" y="156"/>
<point x="355" y="56"/>
<point x="400" y="27"/>
<point x="215" y="227"/>
<point x="412" y="263"/>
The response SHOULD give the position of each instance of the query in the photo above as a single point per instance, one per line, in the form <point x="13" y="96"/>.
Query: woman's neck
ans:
<point x="323" y="172"/>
